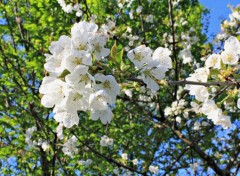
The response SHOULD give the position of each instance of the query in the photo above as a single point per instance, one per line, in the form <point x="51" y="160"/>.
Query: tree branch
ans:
<point x="195" y="147"/>
<point x="207" y="84"/>
<point x="108" y="158"/>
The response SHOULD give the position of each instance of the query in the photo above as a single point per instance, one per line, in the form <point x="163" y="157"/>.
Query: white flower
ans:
<point x="135" y="162"/>
<point x="224" y="121"/>
<point x="53" y="90"/>
<point x="186" y="55"/>
<point x="28" y="136"/>
<point x="79" y="13"/>
<point x="54" y="62"/>
<point x="76" y="100"/>
<point x="204" y="123"/>
<point x="194" y="166"/>
<point x="98" y="46"/>
<point x="140" y="55"/>
<point x="59" y="131"/>
<point x="195" y="107"/>
<point x="45" y="146"/>
<point x="213" y="61"/>
<point x="116" y="171"/>
<point x="59" y="49"/>
<point x="128" y="92"/>
<point x="178" y="119"/>
<point x="229" y="57"/>
<point x="162" y="56"/>
<point x="154" y="169"/>
<point x="124" y="156"/>
<point x="196" y="125"/>
<point x="88" y="162"/>
<point x="106" y="141"/>
<point x="149" y="19"/>
<point x="76" y="58"/>
<point x="104" y="115"/>
<point x="70" y="147"/>
<point x="201" y="74"/>
<point x="232" y="45"/>
<point x="80" y="78"/>
<point x="215" y="114"/>
<point x="151" y="84"/>
<point x="99" y="100"/>
<point x="200" y="92"/>
<point x="108" y="83"/>
<point x="82" y="35"/>
<point x="64" y="43"/>
<point x="68" y="119"/>
<point x="208" y="107"/>
<point x="139" y="9"/>
<point x="168" y="111"/>
<point x="151" y="72"/>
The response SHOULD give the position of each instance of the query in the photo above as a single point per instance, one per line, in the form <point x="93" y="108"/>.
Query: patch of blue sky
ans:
<point x="219" y="11"/>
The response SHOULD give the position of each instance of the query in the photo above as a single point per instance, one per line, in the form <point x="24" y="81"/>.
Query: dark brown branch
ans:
<point x="185" y="82"/>
<point x="177" y="159"/>
<point x="170" y="11"/>
<point x="195" y="147"/>
<point x="207" y="84"/>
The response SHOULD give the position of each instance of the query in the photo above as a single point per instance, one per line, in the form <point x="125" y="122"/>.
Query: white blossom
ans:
<point x="162" y="55"/>
<point x="109" y="84"/>
<point x="98" y="46"/>
<point x="213" y="61"/>
<point x="104" y="115"/>
<point x="76" y="58"/>
<point x="53" y="91"/>
<point x="106" y="141"/>
<point x="45" y="146"/>
<point x="70" y="147"/>
<point x="99" y="100"/>
<point x="196" y="125"/>
<point x="124" y="156"/>
<point x="135" y="162"/>
<point x="68" y="119"/>
<point x="140" y="55"/>
<point x="154" y="169"/>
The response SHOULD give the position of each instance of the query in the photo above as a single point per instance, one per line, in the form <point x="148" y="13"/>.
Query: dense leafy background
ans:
<point x="27" y="29"/>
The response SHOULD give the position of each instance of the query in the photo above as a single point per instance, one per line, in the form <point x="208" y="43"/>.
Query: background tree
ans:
<point x="159" y="133"/>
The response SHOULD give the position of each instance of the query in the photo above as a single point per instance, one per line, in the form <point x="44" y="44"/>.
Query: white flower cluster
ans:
<point x="70" y="87"/>
<point x="69" y="8"/>
<point x="153" y="65"/>
<point x="229" y="56"/>
<point x="177" y="107"/>
<point x="70" y="147"/>
<point x="200" y="92"/>
<point x="28" y="136"/>
<point x="106" y="141"/>
<point x="214" y="113"/>
<point x="153" y="169"/>
<point x="33" y="143"/>
<point x="85" y="163"/>
<point x="234" y="20"/>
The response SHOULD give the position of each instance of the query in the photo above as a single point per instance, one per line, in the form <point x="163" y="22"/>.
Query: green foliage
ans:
<point x="28" y="29"/>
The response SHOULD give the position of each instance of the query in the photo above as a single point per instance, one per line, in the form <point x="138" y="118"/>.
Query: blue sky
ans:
<point x="218" y="11"/>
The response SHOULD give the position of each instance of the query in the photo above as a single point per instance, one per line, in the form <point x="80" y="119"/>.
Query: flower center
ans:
<point x="138" y="56"/>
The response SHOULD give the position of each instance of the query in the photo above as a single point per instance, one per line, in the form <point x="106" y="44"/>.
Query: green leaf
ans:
<point x="119" y="56"/>
<point x="114" y="52"/>
<point x="64" y="73"/>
